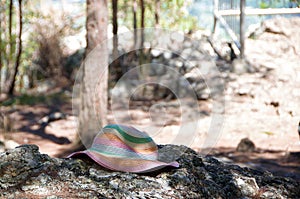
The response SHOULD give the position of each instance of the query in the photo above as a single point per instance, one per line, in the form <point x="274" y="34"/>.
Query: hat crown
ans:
<point x="123" y="148"/>
<point x="124" y="142"/>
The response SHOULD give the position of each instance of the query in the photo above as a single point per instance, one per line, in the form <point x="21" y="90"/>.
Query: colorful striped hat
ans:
<point x="123" y="148"/>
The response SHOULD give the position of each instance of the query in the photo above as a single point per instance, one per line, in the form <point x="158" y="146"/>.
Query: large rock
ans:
<point x="25" y="173"/>
<point x="275" y="44"/>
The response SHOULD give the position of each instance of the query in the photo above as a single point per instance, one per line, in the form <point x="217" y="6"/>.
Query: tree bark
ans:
<point x="96" y="23"/>
<point x="115" y="65"/>
<point x="115" y="28"/>
<point x="115" y="16"/>
<point x="1" y="62"/>
<point x="157" y="13"/>
<point x="93" y="91"/>
<point x="10" y="46"/>
<point x="141" y="44"/>
<point x="142" y="4"/>
<point x="134" y="10"/>
<point x="19" y="51"/>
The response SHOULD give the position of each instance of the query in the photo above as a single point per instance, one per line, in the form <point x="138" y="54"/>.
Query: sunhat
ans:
<point x="123" y="148"/>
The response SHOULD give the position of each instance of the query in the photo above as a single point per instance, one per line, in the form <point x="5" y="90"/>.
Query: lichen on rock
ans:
<point x="26" y="173"/>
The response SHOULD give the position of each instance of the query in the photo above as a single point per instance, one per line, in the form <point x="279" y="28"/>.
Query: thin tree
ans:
<point x="9" y="49"/>
<point x="115" y="16"/>
<point x="19" y="51"/>
<point x="93" y="92"/>
<point x="142" y="25"/>
<point x="134" y="10"/>
<point x="142" y="5"/>
<point x="157" y="12"/>
<point x="115" y="64"/>
<point x="1" y="62"/>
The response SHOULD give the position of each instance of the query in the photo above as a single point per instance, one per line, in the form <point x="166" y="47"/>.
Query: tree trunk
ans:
<point x="115" y="16"/>
<point x="10" y="15"/>
<point x="157" y="12"/>
<point x="115" y="65"/>
<point x="142" y="22"/>
<point x="93" y="91"/>
<point x="115" y="28"/>
<point x="19" y="52"/>
<point x="10" y="46"/>
<point x="134" y="10"/>
<point x="1" y="62"/>
<point x="141" y="45"/>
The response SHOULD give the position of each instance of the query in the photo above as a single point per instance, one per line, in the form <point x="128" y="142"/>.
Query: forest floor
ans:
<point x="261" y="106"/>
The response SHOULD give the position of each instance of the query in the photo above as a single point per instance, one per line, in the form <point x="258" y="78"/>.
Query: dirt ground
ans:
<point x="262" y="106"/>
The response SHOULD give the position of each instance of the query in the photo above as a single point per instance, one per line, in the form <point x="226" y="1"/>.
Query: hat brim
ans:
<point x="125" y="164"/>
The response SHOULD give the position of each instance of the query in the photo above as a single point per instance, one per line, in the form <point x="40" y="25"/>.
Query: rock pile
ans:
<point x="25" y="173"/>
<point x="275" y="43"/>
<point x="173" y="62"/>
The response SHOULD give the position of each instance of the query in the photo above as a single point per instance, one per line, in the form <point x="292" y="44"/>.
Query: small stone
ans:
<point x="239" y="66"/>
<point x="246" y="145"/>
<point x="204" y="94"/>
<point x="187" y="44"/>
<point x="186" y="53"/>
<point x="52" y="117"/>
<point x="275" y="104"/>
<point x="191" y="64"/>
<point x="244" y="91"/>
<point x="114" y="184"/>
<point x="247" y="186"/>
<point x="197" y="55"/>
<point x="167" y="55"/>
<point x="178" y="64"/>
<point x="156" y="52"/>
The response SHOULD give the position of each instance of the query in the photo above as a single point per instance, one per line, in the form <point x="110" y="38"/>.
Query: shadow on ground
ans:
<point x="41" y="132"/>
<point x="280" y="163"/>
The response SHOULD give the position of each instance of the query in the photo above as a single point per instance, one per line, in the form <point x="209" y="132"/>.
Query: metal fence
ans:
<point x="231" y="15"/>
<point x="233" y="21"/>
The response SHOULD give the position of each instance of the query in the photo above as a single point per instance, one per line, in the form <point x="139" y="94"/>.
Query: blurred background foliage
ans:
<point x="53" y="35"/>
<point x="49" y="31"/>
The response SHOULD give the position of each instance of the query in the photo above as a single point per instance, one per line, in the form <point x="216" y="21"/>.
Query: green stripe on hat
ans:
<point x="128" y="137"/>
